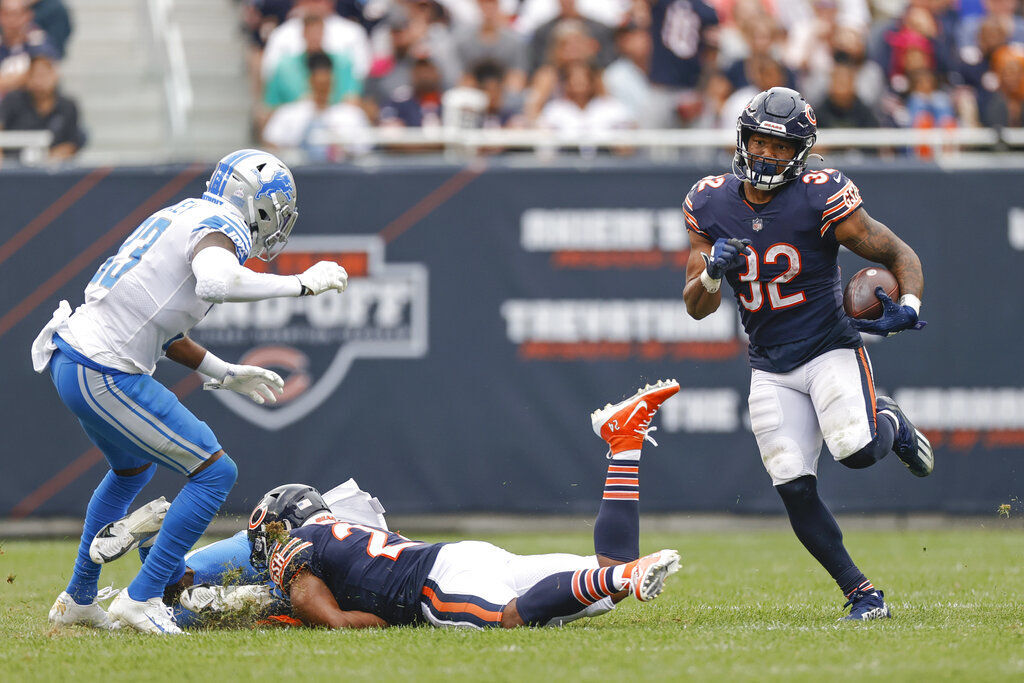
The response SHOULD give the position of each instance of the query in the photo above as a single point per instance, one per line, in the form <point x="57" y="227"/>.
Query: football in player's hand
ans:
<point x="859" y="298"/>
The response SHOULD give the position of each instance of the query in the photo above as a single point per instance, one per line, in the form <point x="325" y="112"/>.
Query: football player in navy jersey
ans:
<point x="345" y="575"/>
<point x="773" y="230"/>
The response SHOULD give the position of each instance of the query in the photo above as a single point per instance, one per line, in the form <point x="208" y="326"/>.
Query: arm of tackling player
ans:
<point x="871" y="239"/>
<point x="313" y="603"/>
<point x="700" y="300"/>
<point x="220" y="278"/>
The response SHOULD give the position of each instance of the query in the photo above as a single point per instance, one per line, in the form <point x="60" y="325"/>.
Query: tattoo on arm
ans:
<point x="871" y="239"/>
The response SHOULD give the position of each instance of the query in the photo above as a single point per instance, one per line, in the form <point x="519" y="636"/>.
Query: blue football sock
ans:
<point x="109" y="502"/>
<point x="178" y="572"/>
<point x="617" y="527"/>
<point x="817" y="530"/>
<point x="565" y="593"/>
<point x="186" y="520"/>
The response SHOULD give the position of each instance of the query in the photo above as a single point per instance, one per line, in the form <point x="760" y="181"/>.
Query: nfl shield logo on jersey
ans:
<point x="312" y="341"/>
<point x="757" y="224"/>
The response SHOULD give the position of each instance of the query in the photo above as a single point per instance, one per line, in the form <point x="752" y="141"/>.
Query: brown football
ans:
<point x="859" y="298"/>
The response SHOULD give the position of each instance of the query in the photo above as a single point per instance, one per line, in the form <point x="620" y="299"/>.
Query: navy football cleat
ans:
<point x="866" y="605"/>
<point x="910" y="445"/>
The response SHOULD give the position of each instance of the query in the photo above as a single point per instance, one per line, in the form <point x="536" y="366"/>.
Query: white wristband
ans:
<point x="912" y="301"/>
<point x="214" y="367"/>
<point x="710" y="283"/>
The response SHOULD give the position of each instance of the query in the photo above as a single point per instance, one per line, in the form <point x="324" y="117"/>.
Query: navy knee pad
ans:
<point x="798" y="490"/>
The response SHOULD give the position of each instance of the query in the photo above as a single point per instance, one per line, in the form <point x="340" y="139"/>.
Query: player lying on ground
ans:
<point x="139" y="306"/>
<point x="774" y="231"/>
<point x="341" y="574"/>
<point x="219" y="577"/>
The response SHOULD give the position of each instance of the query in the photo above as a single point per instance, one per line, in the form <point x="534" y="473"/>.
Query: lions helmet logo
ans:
<point x="280" y="182"/>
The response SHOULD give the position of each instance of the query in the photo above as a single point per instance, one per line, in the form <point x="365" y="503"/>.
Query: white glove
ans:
<point x="321" y="277"/>
<point x="255" y="382"/>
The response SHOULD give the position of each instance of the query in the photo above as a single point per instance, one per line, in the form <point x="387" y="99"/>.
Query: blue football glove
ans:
<point x="726" y="255"/>
<point x="895" y="318"/>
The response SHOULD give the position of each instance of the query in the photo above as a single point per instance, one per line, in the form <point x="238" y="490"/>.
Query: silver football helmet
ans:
<point x="263" y="189"/>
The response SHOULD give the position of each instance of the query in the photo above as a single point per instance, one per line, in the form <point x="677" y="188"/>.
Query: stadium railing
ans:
<point x="169" y="56"/>
<point x="31" y="145"/>
<point x="469" y="142"/>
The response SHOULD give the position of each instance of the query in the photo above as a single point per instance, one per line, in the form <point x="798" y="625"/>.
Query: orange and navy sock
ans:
<point x="617" y="527"/>
<point x="853" y="581"/>
<point x="566" y="593"/>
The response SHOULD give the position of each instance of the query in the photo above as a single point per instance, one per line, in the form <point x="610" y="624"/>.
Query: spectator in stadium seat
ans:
<point x="494" y="41"/>
<point x="583" y="106"/>
<point x="340" y="37"/>
<point x="41" y="106"/>
<point x="533" y="14"/>
<point x="1006" y="12"/>
<point x="679" y="59"/>
<point x="501" y="111"/>
<point x="20" y="40"/>
<point x="976" y="62"/>
<point x="625" y="79"/>
<point x="1005" y="108"/>
<point x="762" y="38"/>
<point x="765" y="73"/>
<point x="419" y="103"/>
<point x="847" y="46"/>
<point x="926" y="26"/>
<point x="414" y="34"/>
<point x="53" y="18"/>
<point x="715" y="94"/>
<point x="842" y="108"/>
<point x="291" y="80"/>
<point x="928" y="104"/>
<point x="542" y="42"/>
<point x="295" y="125"/>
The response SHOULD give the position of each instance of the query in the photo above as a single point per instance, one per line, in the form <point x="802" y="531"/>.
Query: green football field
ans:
<point x="745" y="606"/>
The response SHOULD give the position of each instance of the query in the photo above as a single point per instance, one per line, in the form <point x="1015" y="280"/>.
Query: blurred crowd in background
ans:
<point x="595" y="65"/>
<point x="573" y="65"/>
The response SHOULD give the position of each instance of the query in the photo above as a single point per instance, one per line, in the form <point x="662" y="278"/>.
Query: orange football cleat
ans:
<point x="626" y="424"/>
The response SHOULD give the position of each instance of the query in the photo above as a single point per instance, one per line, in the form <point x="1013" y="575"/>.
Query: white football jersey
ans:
<point x="144" y="297"/>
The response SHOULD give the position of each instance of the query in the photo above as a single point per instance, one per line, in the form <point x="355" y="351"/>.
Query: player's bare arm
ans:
<point x="700" y="303"/>
<point x="313" y="603"/>
<point x="186" y="352"/>
<point x="873" y="240"/>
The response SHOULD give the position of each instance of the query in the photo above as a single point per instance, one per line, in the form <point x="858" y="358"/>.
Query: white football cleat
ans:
<point x="150" y="616"/>
<point x="225" y="598"/>
<point x="66" y="611"/>
<point x="649" y="573"/>
<point x="138" y="529"/>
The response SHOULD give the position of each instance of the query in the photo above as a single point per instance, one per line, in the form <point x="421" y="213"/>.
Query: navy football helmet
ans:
<point x="781" y="113"/>
<point x="293" y="505"/>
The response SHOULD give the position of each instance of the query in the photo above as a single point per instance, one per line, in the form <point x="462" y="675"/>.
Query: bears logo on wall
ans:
<point x="312" y="341"/>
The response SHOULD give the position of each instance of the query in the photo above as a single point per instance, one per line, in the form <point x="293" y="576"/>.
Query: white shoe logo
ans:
<point x="641" y="404"/>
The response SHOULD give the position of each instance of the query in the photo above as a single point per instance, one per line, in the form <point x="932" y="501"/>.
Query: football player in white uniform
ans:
<point x="140" y="306"/>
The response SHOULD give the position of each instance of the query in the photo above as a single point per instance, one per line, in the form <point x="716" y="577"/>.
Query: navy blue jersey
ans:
<point x="679" y="33"/>
<point x="789" y="293"/>
<point x="367" y="569"/>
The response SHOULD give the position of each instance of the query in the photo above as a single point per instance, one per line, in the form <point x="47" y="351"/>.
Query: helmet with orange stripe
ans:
<point x="294" y="506"/>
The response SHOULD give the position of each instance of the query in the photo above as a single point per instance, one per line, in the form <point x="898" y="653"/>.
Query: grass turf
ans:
<point x="745" y="606"/>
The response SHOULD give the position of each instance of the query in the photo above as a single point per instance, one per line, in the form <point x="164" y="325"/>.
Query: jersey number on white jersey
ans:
<point x="133" y="249"/>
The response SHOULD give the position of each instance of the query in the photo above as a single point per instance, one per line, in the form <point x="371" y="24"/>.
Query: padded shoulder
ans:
<point x="832" y="193"/>
<point x="231" y="226"/>
<point x="700" y="196"/>
<point x="288" y="559"/>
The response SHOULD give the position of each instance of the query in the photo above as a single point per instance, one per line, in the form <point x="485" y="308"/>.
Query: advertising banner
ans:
<point x="491" y="309"/>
